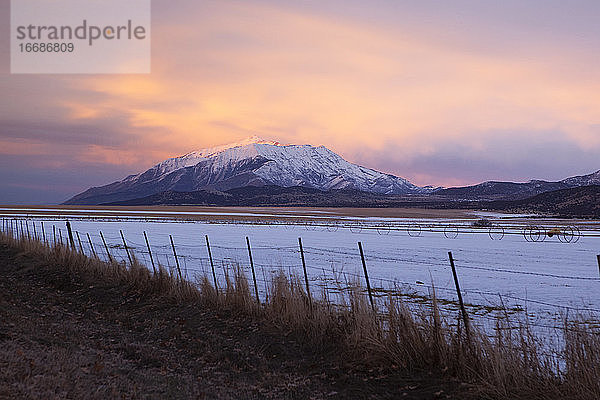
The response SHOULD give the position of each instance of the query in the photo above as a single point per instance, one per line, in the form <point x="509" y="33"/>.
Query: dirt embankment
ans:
<point x="65" y="336"/>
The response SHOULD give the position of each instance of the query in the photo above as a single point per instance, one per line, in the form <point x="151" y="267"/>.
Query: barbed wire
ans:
<point x="119" y="252"/>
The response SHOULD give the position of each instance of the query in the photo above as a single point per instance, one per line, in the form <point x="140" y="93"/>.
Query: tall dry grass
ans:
<point x="511" y="364"/>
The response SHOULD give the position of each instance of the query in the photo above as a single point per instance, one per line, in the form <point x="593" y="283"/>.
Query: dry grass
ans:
<point x="511" y="365"/>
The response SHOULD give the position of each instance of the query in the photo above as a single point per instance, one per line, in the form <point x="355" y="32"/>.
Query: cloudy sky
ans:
<point x="440" y="92"/>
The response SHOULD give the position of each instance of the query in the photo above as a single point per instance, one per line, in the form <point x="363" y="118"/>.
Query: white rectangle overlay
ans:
<point x="80" y="36"/>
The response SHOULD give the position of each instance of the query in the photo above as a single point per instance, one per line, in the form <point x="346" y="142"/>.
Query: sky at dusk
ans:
<point x="439" y="92"/>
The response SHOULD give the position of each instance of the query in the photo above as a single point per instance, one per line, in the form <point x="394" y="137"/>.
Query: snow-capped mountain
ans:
<point x="252" y="162"/>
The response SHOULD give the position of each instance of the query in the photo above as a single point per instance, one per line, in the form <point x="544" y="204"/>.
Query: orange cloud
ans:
<point x="353" y="86"/>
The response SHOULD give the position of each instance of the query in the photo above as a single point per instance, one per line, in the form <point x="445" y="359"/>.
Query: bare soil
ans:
<point x="65" y="336"/>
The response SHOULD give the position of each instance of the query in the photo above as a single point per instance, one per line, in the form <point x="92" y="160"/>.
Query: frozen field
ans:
<point x="508" y="263"/>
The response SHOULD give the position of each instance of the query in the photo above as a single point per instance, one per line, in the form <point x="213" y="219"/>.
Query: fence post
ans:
<point x="60" y="236"/>
<point x="70" y="232"/>
<point x="305" y="274"/>
<point x="53" y="235"/>
<point x="364" y="264"/>
<point x="598" y="257"/>
<point x="79" y="240"/>
<point x="253" y="274"/>
<point x="92" y="246"/>
<point x="212" y="265"/>
<point x="27" y="229"/>
<point x="35" y="236"/>
<point x="126" y="248"/>
<point x="460" y="299"/>
<point x="43" y="232"/>
<point x="150" y="252"/>
<point x="110" y="257"/>
<point x="176" y="259"/>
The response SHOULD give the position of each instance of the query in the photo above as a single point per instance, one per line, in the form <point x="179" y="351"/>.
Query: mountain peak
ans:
<point x="254" y="139"/>
<point x="245" y="142"/>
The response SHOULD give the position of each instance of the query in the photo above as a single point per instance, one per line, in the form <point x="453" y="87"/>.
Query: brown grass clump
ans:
<point x="135" y="275"/>
<point x="510" y="365"/>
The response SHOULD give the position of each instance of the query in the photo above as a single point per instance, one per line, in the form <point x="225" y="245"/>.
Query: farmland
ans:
<point x="537" y="269"/>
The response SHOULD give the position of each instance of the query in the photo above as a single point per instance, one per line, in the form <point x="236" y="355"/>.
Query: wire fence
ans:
<point x="331" y="272"/>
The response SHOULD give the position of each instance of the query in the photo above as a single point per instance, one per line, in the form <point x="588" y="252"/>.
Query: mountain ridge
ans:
<point x="253" y="162"/>
<point x="258" y="162"/>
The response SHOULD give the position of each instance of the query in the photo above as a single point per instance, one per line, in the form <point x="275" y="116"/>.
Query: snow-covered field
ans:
<point x="547" y="278"/>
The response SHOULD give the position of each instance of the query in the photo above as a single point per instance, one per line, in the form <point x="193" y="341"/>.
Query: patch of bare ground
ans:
<point x="67" y="335"/>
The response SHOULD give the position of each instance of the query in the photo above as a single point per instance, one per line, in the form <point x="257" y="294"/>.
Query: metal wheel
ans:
<point x="383" y="229"/>
<point x="356" y="227"/>
<point x="414" y="230"/>
<point x="451" y="232"/>
<point x="496" y="232"/>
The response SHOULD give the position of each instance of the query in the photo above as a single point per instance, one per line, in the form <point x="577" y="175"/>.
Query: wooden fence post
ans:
<point x="53" y="235"/>
<point x="176" y="259"/>
<point x="598" y="258"/>
<point x="43" y="232"/>
<point x="35" y="236"/>
<point x="110" y="257"/>
<point x="70" y="232"/>
<point x="126" y="248"/>
<point x="79" y="240"/>
<point x="27" y="229"/>
<point x="92" y="246"/>
<point x="253" y="274"/>
<point x="460" y="299"/>
<point x="150" y="252"/>
<point x="212" y="265"/>
<point x="305" y="274"/>
<point x="364" y="264"/>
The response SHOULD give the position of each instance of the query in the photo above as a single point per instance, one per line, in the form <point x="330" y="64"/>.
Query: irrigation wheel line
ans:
<point x="414" y="230"/>
<point x="451" y="232"/>
<point x="569" y="234"/>
<point x="534" y="233"/>
<point x="332" y="227"/>
<point x="496" y="232"/>
<point x="383" y="229"/>
<point x="356" y="227"/>
<point x="310" y="226"/>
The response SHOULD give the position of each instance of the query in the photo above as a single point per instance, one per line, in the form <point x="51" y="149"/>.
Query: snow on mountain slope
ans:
<point x="253" y="161"/>
<point x="584" y="180"/>
<point x="195" y="157"/>
<point x="291" y="165"/>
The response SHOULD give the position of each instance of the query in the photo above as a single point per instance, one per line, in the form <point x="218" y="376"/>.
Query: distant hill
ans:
<point x="573" y="202"/>
<point x="494" y="190"/>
